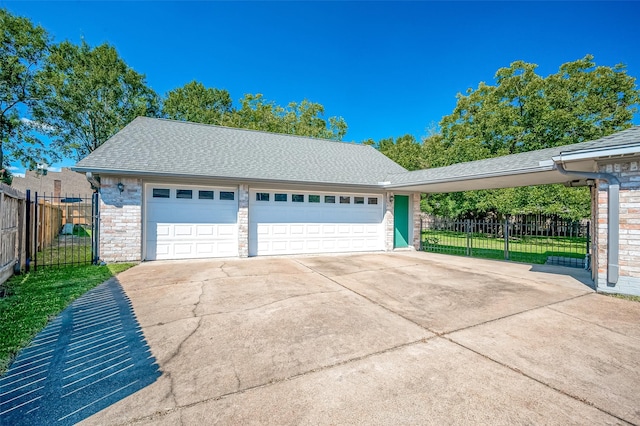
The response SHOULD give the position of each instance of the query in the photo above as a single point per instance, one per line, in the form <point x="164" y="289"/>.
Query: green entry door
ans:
<point x="401" y="221"/>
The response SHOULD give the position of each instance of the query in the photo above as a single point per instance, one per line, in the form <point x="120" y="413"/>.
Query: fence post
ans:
<point x="27" y="233"/>
<point x="506" y="238"/>
<point x="467" y="225"/>
<point x="587" y="256"/>
<point x="95" y="228"/>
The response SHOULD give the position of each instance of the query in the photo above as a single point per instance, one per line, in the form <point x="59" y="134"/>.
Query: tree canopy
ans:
<point x="197" y="103"/>
<point x="524" y="111"/>
<point x="87" y="95"/>
<point x="23" y="46"/>
<point x="405" y="150"/>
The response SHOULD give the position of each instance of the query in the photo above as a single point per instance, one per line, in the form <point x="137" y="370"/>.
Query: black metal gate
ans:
<point x="61" y="230"/>
<point x="542" y="239"/>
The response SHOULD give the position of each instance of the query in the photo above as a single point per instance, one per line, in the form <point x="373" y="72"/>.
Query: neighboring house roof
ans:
<point x="70" y="183"/>
<point x="516" y="169"/>
<point x="150" y="146"/>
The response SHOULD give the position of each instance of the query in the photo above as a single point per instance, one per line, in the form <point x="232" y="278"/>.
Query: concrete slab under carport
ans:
<point x="286" y="340"/>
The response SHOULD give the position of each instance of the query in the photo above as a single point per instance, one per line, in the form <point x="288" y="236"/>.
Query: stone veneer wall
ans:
<point x="120" y="220"/>
<point x="629" y="249"/>
<point x="388" y="222"/>
<point x="416" y="218"/>
<point x="243" y="220"/>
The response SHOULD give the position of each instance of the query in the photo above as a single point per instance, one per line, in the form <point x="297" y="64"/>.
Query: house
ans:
<point x="63" y="184"/>
<point x="172" y="190"/>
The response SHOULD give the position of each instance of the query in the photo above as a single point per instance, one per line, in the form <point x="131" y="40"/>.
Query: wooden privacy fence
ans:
<point x="12" y="231"/>
<point x="48" y="223"/>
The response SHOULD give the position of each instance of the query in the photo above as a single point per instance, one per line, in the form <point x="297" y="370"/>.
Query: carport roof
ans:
<point x="528" y="168"/>
<point x="159" y="147"/>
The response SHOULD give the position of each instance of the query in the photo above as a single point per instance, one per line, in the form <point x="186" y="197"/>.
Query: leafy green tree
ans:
<point x="89" y="94"/>
<point x="23" y="47"/>
<point x="524" y="111"/>
<point x="405" y="150"/>
<point x="303" y="119"/>
<point x="197" y="103"/>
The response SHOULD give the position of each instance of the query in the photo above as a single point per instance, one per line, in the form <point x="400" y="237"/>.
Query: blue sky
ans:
<point x="388" y="68"/>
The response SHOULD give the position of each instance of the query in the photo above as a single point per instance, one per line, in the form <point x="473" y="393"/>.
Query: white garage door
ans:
<point x="284" y="222"/>
<point x="188" y="222"/>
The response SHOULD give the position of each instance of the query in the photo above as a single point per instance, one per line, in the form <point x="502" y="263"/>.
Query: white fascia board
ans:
<point x="593" y="154"/>
<point x="542" y="167"/>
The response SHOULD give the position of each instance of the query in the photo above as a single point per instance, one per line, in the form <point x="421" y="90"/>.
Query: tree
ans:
<point x="197" y="103"/>
<point x="405" y="150"/>
<point x="23" y="46"/>
<point x="303" y="119"/>
<point x="89" y="94"/>
<point x="525" y="111"/>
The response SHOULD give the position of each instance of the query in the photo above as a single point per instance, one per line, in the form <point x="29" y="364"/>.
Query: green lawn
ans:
<point x="521" y="249"/>
<point x="67" y="249"/>
<point x="32" y="299"/>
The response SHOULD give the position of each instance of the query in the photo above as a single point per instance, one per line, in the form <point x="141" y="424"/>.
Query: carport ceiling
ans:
<point x="494" y="182"/>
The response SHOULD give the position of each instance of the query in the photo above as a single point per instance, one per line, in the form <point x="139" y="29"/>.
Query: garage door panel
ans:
<point x="190" y="228"/>
<point x="226" y="230"/>
<point x="183" y="231"/>
<point x="287" y="227"/>
<point x="205" y="248"/>
<point x="329" y="229"/>
<point x="205" y="230"/>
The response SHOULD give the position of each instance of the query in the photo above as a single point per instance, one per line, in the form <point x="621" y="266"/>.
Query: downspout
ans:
<point x="613" y="218"/>
<point x="95" y="183"/>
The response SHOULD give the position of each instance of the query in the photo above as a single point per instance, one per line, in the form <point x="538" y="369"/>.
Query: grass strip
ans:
<point x="32" y="300"/>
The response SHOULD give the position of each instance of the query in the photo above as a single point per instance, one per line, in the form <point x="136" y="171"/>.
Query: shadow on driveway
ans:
<point x="90" y="356"/>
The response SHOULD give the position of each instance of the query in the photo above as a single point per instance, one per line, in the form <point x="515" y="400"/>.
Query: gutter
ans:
<point x="613" y="217"/>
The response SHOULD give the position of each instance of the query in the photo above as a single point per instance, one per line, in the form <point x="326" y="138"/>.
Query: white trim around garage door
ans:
<point x="300" y="222"/>
<point x="190" y="221"/>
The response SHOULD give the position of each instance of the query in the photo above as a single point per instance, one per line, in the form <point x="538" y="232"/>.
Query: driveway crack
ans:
<point x="195" y="307"/>
<point x="177" y="351"/>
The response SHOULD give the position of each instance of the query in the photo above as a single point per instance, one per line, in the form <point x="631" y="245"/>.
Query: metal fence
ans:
<point x="61" y="230"/>
<point x="538" y="239"/>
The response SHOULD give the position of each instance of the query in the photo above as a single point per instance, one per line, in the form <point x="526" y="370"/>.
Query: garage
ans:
<point x="190" y="222"/>
<point x="290" y="222"/>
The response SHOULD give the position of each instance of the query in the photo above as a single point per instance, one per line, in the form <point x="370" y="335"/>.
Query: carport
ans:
<point x="609" y="166"/>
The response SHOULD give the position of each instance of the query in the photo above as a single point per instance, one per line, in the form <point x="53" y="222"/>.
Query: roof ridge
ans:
<point x="194" y="123"/>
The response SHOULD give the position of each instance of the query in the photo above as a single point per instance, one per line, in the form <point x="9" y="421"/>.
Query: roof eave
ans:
<point x="598" y="153"/>
<point x="543" y="167"/>
<point x="147" y="174"/>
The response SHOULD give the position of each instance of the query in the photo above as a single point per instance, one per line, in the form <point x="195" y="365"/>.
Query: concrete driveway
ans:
<point x="395" y="338"/>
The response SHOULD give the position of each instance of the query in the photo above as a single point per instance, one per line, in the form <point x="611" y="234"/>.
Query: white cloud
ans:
<point x="36" y="125"/>
<point x="18" y="175"/>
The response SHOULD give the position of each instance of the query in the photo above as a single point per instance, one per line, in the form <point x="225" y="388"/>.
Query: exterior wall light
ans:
<point x="120" y="187"/>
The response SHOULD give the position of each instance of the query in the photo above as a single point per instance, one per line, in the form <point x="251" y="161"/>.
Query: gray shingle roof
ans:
<point x="167" y="147"/>
<point x="510" y="164"/>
